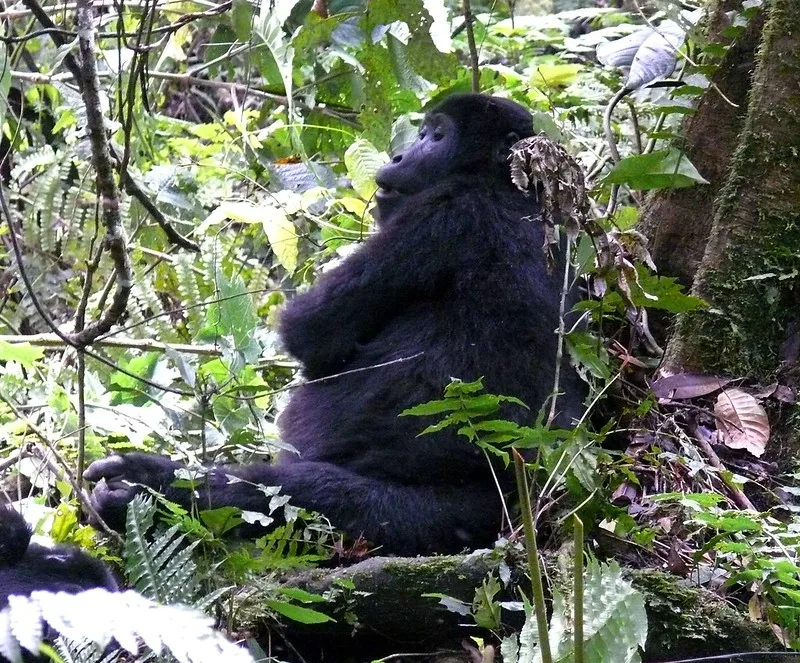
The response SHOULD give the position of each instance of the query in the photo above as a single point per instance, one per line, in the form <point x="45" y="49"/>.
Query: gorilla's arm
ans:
<point x="409" y="262"/>
<point x="404" y="519"/>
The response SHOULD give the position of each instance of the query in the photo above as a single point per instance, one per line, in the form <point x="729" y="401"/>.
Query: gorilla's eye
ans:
<point x="438" y="135"/>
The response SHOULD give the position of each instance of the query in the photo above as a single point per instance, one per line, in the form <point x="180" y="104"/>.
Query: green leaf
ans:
<point x="588" y="351"/>
<point x="430" y="408"/>
<point x="275" y="219"/>
<point x="242" y="15"/>
<point x="459" y="388"/>
<point x="554" y="75"/>
<point x="298" y="613"/>
<point x="666" y="169"/>
<point x="23" y="353"/>
<point x="363" y="161"/>
<point x="301" y="595"/>
<point x="669" y="294"/>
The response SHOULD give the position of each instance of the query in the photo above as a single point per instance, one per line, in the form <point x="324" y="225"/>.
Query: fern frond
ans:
<point x="84" y="652"/>
<point x="126" y="617"/>
<point x="190" y="291"/>
<point x="162" y="569"/>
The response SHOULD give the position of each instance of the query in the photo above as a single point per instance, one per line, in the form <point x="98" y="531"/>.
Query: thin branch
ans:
<point x="473" y="50"/>
<point x="115" y="240"/>
<point x="562" y="310"/>
<point x="64" y="469"/>
<point x="53" y="341"/>
<point x="133" y="189"/>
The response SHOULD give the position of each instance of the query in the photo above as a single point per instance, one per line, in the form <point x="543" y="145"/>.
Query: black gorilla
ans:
<point x="26" y="567"/>
<point x="456" y="273"/>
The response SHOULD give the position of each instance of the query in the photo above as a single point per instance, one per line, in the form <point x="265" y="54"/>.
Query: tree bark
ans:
<point x="750" y="269"/>
<point x="388" y="612"/>
<point x="678" y="222"/>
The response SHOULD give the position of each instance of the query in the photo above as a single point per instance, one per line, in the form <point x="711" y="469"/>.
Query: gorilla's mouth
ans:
<point x="386" y="193"/>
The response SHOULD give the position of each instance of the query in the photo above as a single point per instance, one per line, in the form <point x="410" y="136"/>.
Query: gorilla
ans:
<point x="455" y="284"/>
<point x="26" y="567"/>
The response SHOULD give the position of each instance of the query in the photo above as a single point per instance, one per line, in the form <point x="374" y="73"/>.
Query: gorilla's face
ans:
<point x="466" y="134"/>
<point x="429" y="160"/>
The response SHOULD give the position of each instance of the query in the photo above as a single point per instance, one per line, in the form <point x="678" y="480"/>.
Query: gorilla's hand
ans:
<point x="121" y="477"/>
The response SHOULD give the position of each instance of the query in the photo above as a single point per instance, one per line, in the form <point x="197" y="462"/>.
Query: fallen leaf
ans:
<point x="682" y="386"/>
<point x="741" y="421"/>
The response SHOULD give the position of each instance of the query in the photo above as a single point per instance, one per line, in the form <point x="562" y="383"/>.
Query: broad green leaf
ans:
<point x="298" y="613"/>
<point x="554" y="75"/>
<point x="363" y="161"/>
<point x="275" y="220"/>
<point x="666" y="169"/>
<point x="23" y="353"/>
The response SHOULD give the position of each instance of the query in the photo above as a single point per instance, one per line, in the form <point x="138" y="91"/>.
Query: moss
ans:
<point x="687" y="621"/>
<point x="753" y="295"/>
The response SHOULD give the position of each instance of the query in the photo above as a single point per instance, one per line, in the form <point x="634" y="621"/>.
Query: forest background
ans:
<point x="238" y="142"/>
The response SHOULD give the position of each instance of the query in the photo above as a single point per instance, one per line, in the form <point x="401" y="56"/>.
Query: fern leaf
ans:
<point x="125" y="617"/>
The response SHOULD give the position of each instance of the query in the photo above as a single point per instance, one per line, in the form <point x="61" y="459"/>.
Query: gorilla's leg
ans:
<point x="403" y="518"/>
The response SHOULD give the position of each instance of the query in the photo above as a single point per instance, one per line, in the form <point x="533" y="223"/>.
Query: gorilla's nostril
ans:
<point x="397" y="158"/>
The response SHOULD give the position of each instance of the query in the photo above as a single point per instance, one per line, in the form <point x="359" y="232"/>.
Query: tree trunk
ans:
<point x="750" y="267"/>
<point x="678" y="222"/>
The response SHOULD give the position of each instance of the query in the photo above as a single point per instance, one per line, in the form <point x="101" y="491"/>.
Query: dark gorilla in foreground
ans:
<point x="26" y="567"/>
<point x="455" y="284"/>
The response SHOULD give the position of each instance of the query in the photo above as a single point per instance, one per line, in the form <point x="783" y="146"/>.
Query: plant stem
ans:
<point x="577" y="586"/>
<point x="534" y="568"/>
<point x="473" y="50"/>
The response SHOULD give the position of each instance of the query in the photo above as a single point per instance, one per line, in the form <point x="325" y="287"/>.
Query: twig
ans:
<point x="562" y="309"/>
<point x="148" y="345"/>
<point x="473" y="50"/>
<point x="133" y="189"/>
<point x="65" y="471"/>
<point x="115" y="240"/>
<point x="742" y="501"/>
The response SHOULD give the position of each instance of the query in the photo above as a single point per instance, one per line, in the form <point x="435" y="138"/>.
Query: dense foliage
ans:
<point x="240" y="143"/>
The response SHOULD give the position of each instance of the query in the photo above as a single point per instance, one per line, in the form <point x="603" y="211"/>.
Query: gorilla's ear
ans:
<point x="503" y="147"/>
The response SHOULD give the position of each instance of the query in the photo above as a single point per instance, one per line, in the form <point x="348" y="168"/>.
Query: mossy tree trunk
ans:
<point x="750" y="268"/>
<point x="678" y="222"/>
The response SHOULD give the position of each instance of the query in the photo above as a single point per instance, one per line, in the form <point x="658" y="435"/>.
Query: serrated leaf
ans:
<point x="587" y="350"/>
<point x="363" y="160"/>
<point x="431" y="407"/>
<point x="741" y="421"/>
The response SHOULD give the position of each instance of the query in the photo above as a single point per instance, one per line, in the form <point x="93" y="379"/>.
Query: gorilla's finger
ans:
<point x="113" y="466"/>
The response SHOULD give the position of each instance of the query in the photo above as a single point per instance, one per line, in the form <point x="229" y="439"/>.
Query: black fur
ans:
<point x="26" y="567"/>
<point x="456" y="273"/>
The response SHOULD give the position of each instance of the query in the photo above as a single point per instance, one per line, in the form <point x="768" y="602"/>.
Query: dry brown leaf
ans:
<point x="682" y="386"/>
<point x="741" y="421"/>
